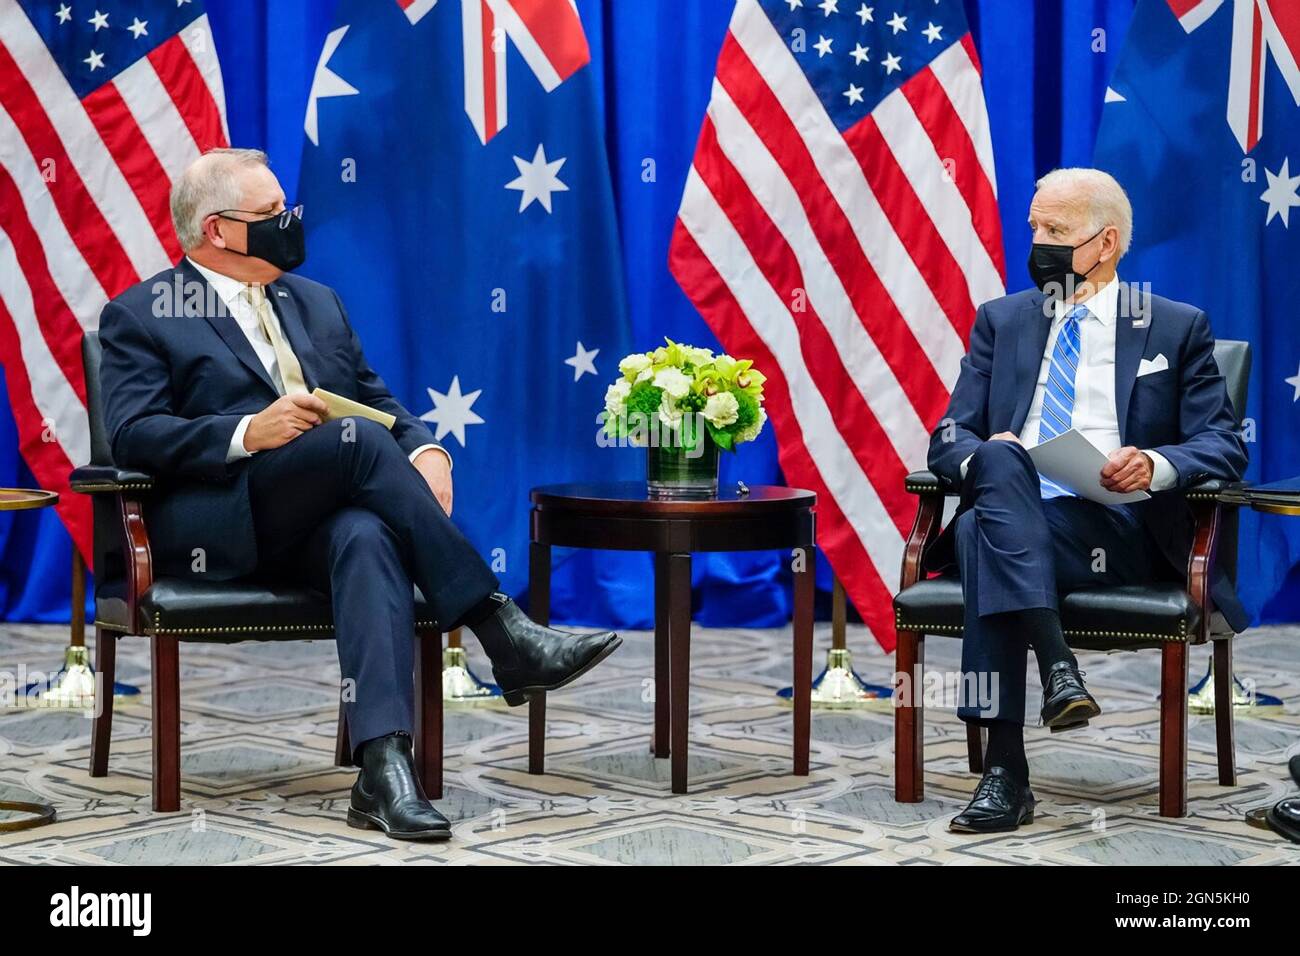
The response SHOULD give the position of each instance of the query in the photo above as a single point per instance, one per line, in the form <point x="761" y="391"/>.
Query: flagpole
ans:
<point x="839" y="686"/>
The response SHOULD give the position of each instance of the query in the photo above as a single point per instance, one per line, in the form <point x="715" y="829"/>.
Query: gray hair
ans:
<point x="208" y="185"/>
<point x="1108" y="204"/>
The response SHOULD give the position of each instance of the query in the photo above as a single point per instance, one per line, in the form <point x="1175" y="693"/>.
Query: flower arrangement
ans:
<point x="676" y="387"/>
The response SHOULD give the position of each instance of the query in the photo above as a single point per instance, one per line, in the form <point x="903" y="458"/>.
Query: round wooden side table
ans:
<point x="621" y="516"/>
<point x="24" y="499"/>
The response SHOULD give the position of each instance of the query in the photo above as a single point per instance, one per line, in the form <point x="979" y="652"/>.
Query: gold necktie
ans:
<point x="290" y="370"/>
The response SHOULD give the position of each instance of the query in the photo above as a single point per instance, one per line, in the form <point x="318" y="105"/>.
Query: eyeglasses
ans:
<point x="290" y="213"/>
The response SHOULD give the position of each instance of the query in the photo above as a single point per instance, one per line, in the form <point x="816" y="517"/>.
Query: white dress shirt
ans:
<point x="1094" y="415"/>
<point x="231" y="292"/>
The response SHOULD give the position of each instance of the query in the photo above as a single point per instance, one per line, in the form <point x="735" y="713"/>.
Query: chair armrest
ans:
<point x="929" y="516"/>
<point x="1211" y="490"/>
<point x="927" y="483"/>
<point x="109" y="479"/>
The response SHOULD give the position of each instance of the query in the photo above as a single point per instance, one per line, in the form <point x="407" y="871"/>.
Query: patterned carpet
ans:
<point x="259" y="785"/>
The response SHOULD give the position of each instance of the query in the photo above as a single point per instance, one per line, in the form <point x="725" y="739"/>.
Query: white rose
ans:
<point x="633" y="365"/>
<point x="669" y="413"/>
<point x="750" y="433"/>
<point x="721" y="409"/>
<point x="673" y="381"/>
<point x="616" y="397"/>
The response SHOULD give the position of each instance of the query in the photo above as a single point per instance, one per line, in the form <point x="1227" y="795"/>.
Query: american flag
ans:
<point x="102" y="103"/>
<point x="839" y="226"/>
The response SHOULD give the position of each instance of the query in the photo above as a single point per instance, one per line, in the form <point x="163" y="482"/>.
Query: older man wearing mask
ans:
<point x="216" y="399"/>
<point x="1135" y="374"/>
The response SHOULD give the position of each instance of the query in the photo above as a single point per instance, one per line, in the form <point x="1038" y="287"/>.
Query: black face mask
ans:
<point x="1051" y="266"/>
<point x="284" y="247"/>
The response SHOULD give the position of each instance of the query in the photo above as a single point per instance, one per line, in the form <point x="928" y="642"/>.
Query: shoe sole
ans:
<point x="360" y="820"/>
<point x="1077" y="713"/>
<point x="521" y="696"/>
<point x="1025" y="820"/>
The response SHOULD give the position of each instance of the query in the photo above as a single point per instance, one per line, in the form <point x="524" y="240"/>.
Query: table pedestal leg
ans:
<point x="805" y="563"/>
<point x="539" y="608"/>
<point x="659" y="740"/>
<point x="679" y="639"/>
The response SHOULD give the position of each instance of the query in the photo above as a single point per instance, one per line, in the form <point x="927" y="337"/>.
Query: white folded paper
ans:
<point x="1075" y="464"/>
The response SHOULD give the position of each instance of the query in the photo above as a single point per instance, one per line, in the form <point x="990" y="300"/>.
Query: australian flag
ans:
<point x="1202" y="126"/>
<point x="457" y="195"/>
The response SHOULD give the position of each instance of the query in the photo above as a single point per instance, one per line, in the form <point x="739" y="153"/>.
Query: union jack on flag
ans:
<point x="102" y="104"/>
<point x="840" y="226"/>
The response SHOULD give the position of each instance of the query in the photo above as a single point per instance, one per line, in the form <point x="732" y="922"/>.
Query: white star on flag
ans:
<point x="537" y="180"/>
<point x="822" y="46"/>
<point x="829" y="6"/>
<point x="452" y="411"/>
<point x="1281" y="193"/>
<point x="324" y="83"/>
<point x="95" y="61"/>
<point x="933" y="32"/>
<point x="99" y="21"/>
<point x="892" y="63"/>
<point x="1294" y="382"/>
<point x="865" y="13"/>
<point x="897" y="22"/>
<point x="64" y="13"/>
<point x="859" y="54"/>
<point x="583" y="361"/>
<point x="138" y="27"/>
<point x="854" y="93"/>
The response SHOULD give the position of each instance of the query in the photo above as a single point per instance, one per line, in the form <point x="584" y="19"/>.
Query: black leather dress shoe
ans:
<point x="529" y="658"/>
<point x="999" y="805"/>
<point x="1066" y="702"/>
<point x="1284" y="818"/>
<point x="1294" y="767"/>
<point x="387" y="795"/>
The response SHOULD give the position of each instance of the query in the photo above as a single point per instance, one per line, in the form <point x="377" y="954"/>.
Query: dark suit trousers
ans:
<point x="341" y="509"/>
<point x="1017" y="551"/>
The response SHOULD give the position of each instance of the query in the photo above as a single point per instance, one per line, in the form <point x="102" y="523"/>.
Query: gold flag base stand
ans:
<point x="1200" y="699"/>
<point x="460" y="686"/>
<point x="839" y="686"/>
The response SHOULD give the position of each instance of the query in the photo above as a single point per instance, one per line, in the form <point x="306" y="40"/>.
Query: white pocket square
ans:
<point x="1157" y="364"/>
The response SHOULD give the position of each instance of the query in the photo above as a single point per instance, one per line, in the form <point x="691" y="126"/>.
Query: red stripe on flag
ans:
<point x="968" y="44"/>
<point x="709" y="293"/>
<point x="59" y="326"/>
<point x="862" y="432"/>
<point x="139" y="164"/>
<point x="1183" y="7"/>
<point x="1256" y="79"/>
<point x="554" y="24"/>
<point x="46" y="459"/>
<point x="875" y="309"/>
<point x="184" y="83"/>
<point x="915" y="229"/>
<point x="490" y="127"/>
<point x="87" y="226"/>
<point x="952" y="141"/>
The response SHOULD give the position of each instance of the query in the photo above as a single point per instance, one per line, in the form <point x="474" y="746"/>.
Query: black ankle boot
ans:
<point x="528" y="658"/>
<point x="387" y="795"/>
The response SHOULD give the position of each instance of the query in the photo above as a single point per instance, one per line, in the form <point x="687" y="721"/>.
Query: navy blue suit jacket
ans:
<point x="178" y="374"/>
<point x="1183" y="412"/>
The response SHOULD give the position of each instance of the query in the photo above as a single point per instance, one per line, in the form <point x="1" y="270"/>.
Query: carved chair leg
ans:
<point x="1223" y="715"/>
<point x="101" y="734"/>
<point x="166" y="725"/>
<point x="909" y="718"/>
<point x="428" y="711"/>
<point x="1173" y="730"/>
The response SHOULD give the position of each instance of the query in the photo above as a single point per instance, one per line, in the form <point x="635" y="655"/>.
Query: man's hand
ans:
<point x="1005" y="436"/>
<point x="435" y="466"/>
<point x="284" y="420"/>
<point x="1129" y="469"/>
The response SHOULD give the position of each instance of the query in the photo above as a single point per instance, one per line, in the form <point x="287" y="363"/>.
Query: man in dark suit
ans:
<point x="207" y="372"/>
<point x="1135" y="374"/>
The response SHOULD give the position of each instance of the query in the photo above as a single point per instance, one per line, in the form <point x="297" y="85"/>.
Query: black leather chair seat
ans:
<point x="1128" y="617"/>
<point x="227" y="611"/>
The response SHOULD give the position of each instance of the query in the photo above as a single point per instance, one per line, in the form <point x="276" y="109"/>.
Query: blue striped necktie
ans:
<point x="1058" y="394"/>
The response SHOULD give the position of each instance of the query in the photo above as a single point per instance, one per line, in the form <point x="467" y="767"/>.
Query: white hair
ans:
<point x="1108" y="204"/>
<point x="208" y="185"/>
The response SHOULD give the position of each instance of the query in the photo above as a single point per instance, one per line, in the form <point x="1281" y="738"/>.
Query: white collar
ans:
<point x="1103" y="304"/>
<point x="230" y="289"/>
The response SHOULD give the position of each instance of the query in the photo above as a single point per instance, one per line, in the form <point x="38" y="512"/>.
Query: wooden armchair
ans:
<point x="1168" y="616"/>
